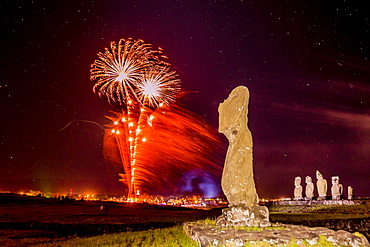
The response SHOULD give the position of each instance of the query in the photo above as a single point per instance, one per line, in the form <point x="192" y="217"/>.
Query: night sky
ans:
<point x="306" y="64"/>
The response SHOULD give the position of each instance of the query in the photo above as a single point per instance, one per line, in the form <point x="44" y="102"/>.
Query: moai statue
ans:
<point x="336" y="188"/>
<point x="297" y="188"/>
<point x="350" y="193"/>
<point x="309" y="188"/>
<point x="322" y="186"/>
<point x="237" y="180"/>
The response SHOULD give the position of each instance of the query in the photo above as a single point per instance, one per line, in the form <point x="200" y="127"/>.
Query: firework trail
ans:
<point x="173" y="142"/>
<point x="136" y="77"/>
<point x="116" y="148"/>
<point x="81" y="120"/>
<point x="158" y="87"/>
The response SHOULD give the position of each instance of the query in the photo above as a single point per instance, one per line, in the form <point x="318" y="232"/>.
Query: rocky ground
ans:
<point x="277" y="234"/>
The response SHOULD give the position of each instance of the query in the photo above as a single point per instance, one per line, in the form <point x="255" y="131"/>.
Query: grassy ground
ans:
<point x="175" y="236"/>
<point x="280" y="217"/>
<point x="279" y="213"/>
<point x="167" y="237"/>
<point x="360" y="210"/>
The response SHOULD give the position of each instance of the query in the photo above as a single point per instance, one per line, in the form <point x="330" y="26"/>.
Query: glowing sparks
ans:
<point x="158" y="85"/>
<point x="117" y="132"/>
<point x="121" y="76"/>
<point x="133" y="75"/>
<point x="175" y="142"/>
<point x="117" y="70"/>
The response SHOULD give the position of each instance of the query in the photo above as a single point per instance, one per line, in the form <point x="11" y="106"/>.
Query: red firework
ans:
<point x="134" y="76"/>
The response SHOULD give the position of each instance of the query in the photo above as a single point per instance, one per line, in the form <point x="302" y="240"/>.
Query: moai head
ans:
<point x="297" y="181"/>
<point x="308" y="179"/>
<point x="319" y="175"/>
<point x="235" y="105"/>
<point x="335" y="180"/>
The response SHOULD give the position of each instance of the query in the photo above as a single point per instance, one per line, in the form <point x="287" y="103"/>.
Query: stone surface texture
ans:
<point x="248" y="216"/>
<point x="237" y="178"/>
<point x="278" y="235"/>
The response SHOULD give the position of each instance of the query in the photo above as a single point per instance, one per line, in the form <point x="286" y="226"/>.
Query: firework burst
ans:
<point x="135" y="76"/>
<point x="123" y="71"/>
<point x="118" y="69"/>
<point x="158" y="86"/>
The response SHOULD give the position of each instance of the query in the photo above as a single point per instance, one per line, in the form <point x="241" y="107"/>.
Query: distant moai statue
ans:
<point x="309" y="188"/>
<point x="350" y="193"/>
<point x="336" y="188"/>
<point x="297" y="188"/>
<point x="322" y="186"/>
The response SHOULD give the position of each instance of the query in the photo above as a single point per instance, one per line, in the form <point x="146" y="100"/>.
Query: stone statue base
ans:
<point x="322" y="198"/>
<point x="249" y="216"/>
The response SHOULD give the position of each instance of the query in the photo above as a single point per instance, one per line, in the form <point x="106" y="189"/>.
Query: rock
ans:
<point x="237" y="178"/>
<point x="345" y="238"/>
<point x="278" y="234"/>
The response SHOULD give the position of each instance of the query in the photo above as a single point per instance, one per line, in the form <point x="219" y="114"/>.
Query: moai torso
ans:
<point x="322" y="185"/>
<point x="350" y="193"/>
<point x="297" y="188"/>
<point x="336" y="188"/>
<point x="309" y="187"/>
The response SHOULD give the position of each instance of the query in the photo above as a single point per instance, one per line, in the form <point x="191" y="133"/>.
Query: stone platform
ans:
<point x="320" y="202"/>
<point x="276" y="235"/>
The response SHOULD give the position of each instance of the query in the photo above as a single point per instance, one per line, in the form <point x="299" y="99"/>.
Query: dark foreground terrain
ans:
<point x="33" y="220"/>
<point x="26" y="221"/>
